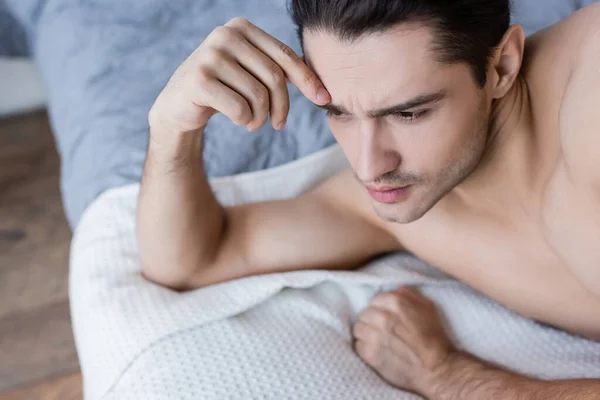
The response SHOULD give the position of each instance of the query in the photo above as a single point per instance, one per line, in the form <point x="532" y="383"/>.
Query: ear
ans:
<point x="507" y="61"/>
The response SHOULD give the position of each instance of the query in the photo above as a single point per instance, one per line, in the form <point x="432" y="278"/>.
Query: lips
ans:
<point x="389" y="195"/>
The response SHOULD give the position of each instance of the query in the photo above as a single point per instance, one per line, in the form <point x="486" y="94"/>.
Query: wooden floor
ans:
<point x="37" y="353"/>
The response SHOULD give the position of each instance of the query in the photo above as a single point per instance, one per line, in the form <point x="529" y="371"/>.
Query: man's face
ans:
<point x="411" y="127"/>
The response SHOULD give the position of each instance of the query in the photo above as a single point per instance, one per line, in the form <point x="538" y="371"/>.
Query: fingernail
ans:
<point x="281" y="126"/>
<point x="323" y="96"/>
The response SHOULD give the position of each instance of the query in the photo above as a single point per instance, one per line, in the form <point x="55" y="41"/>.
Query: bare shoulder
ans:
<point x="564" y="41"/>
<point x="579" y="116"/>
<point x="552" y="54"/>
<point x="563" y="72"/>
<point x="562" y="69"/>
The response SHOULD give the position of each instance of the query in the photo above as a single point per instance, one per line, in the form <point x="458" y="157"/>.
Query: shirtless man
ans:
<point x="471" y="147"/>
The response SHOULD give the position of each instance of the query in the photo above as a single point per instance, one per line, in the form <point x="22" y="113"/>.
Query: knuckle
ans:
<point x="260" y="94"/>
<point x="223" y="34"/>
<point x="384" y="321"/>
<point x="238" y="22"/>
<point x="277" y="75"/>
<point x="202" y="75"/>
<point x="213" y="56"/>
<point x="396" y="306"/>
<point x="380" y="318"/>
<point x="288" y="52"/>
<point x="389" y="300"/>
<point x="403" y="296"/>
<point x="240" y="112"/>
<point x="368" y="352"/>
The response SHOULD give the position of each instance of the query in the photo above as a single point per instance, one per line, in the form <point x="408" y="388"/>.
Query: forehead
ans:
<point x="378" y="65"/>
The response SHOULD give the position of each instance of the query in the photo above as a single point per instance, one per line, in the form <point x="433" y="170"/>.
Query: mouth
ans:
<point x="389" y="195"/>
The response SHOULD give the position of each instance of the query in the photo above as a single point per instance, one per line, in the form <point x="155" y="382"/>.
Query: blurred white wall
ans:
<point x="21" y="87"/>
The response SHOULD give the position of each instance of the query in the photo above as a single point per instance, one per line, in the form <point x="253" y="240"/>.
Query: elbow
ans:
<point x="182" y="277"/>
<point x="173" y="269"/>
<point x="176" y="279"/>
<point x="173" y="281"/>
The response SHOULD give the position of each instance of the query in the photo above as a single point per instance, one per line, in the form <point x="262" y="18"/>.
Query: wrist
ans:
<point x="434" y="381"/>
<point x="166" y="127"/>
<point x="170" y="147"/>
<point x="463" y="376"/>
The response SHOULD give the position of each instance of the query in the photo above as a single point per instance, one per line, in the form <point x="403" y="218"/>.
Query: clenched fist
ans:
<point x="401" y="337"/>
<point x="239" y="71"/>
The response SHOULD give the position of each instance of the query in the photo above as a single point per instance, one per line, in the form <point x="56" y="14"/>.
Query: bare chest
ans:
<point x="544" y="269"/>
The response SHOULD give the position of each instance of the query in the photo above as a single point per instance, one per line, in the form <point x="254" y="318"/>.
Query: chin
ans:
<point x="399" y="213"/>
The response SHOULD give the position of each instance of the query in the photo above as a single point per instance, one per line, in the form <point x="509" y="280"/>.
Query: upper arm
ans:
<point x="580" y="142"/>
<point x="580" y="107"/>
<point x="326" y="228"/>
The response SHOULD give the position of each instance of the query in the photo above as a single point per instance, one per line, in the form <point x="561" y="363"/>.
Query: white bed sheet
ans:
<point x="281" y="336"/>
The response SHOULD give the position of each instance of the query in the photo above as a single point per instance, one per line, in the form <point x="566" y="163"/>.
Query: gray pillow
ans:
<point x="12" y="35"/>
<point x="105" y="61"/>
<point x="535" y="15"/>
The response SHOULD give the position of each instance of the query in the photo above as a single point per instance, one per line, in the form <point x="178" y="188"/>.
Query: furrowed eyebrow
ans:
<point x="410" y="104"/>
<point x="334" y="109"/>
<point x="405" y="106"/>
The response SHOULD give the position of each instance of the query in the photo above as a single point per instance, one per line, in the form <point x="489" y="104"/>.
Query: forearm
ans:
<point x="179" y="221"/>
<point x="465" y="377"/>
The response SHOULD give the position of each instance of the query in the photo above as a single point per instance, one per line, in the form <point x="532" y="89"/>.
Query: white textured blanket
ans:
<point x="283" y="336"/>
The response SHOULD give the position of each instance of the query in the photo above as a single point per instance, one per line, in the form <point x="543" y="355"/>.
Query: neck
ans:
<point x="503" y="177"/>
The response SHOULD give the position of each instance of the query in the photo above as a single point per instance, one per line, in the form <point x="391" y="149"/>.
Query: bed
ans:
<point x="281" y="336"/>
<point x="278" y="336"/>
<point x="104" y="62"/>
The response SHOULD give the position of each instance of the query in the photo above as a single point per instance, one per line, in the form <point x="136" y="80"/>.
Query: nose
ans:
<point x="376" y="153"/>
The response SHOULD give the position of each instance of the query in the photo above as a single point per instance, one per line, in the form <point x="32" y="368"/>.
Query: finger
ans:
<point x="365" y="332"/>
<point x="409" y="298"/>
<point x="223" y="99"/>
<point x="389" y="301"/>
<point x="368" y="353"/>
<point x="409" y="291"/>
<point x="416" y="320"/>
<point x="292" y="64"/>
<point x="378" y="318"/>
<point x="417" y="299"/>
<point x="242" y="82"/>
<point x="269" y="74"/>
<point x="401" y="308"/>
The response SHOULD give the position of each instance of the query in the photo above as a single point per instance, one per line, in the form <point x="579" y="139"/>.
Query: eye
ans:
<point x="411" y="116"/>
<point x="334" y="114"/>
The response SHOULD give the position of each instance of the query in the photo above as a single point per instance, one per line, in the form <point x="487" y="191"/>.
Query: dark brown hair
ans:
<point x="465" y="30"/>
